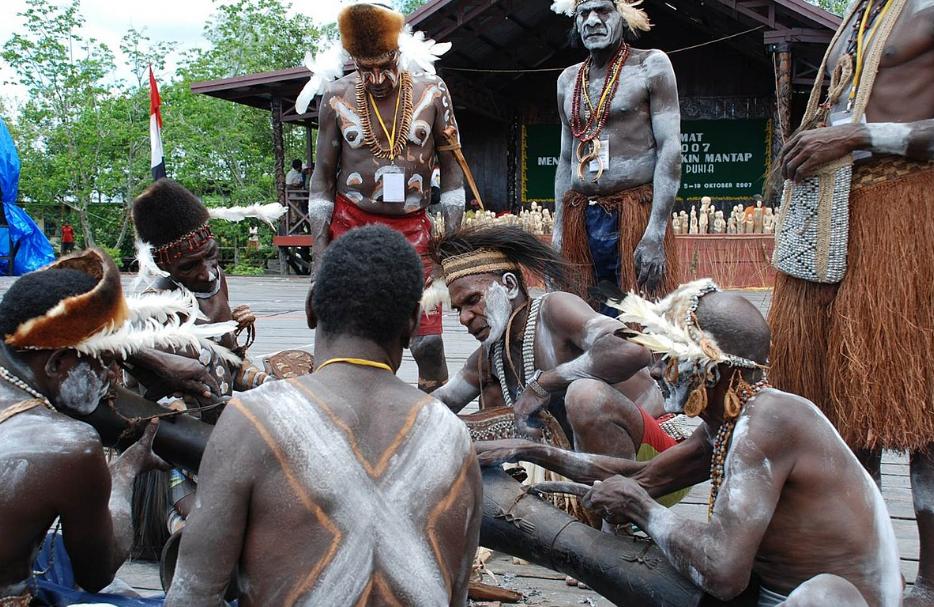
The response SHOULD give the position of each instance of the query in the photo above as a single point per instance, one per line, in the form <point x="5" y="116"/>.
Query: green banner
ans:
<point x="724" y="158"/>
<point x="719" y="158"/>
<point x="541" y="146"/>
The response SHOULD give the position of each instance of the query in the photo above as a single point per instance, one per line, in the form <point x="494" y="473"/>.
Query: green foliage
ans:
<point x="408" y="6"/>
<point x="837" y="7"/>
<point x="84" y="141"/>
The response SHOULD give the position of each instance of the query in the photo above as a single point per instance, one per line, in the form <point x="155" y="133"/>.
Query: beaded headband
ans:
<point x="191" y="241"/>
<point x="481" y="261"/>
<point x="670" y="326"/>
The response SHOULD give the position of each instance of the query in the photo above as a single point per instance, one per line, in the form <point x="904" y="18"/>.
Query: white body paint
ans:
<point x="319" y="214"/>
<point x="383" y="520"/>
<point x="420" y="128"/>
<point x="354" y="179"/>
<point x="453" y="199"/>
<point x="350" y="123"/>
<point x="889" y="137"/>
<point x="82" y="389"/>
<point x="498" y="309"/>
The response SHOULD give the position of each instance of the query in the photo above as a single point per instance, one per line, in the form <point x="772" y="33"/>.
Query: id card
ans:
<point x="844" y="117"/>
<point x="393" y="184"/>
<point x="603" y="158"/>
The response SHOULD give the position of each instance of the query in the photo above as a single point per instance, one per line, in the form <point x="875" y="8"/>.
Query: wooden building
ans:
<point x="744" y="68"/>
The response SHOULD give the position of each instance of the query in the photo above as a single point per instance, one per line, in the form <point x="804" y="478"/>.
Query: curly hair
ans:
<point x="36" y="293"/>
<point x="165" y="211"/>
<point x="369" y="285"/>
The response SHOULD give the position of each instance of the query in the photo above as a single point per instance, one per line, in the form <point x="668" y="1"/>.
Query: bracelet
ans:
<point x="536" y="387"/>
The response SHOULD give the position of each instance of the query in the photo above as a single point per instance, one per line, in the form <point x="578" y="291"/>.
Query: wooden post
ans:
<point x="309" y="144"/>
<point x="783" y="127"/>
<point x="278" y="149"/>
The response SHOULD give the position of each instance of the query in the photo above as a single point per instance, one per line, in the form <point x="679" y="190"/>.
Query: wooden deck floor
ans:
<point x="279" y="306"/>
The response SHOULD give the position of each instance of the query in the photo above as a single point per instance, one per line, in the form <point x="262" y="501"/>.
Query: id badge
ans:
<point x="844" y="117"/>
<point x="393" y="184"/>
<point x="603" y="159"/>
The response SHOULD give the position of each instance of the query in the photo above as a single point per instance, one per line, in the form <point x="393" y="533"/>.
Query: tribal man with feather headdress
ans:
<point x="384" y="129"/>
<point x="779" y="470"/>
<point x="63" y="327"/>
<point x="620" y="163"/>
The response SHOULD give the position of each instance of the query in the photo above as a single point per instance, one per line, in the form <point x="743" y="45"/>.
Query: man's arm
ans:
<point x="95" y="510"/>
<point x="679" y="467"/>
<point x="463" y="387"/>
<point x="563" y="172"/>
<point x="649" y="255"/>
<point x="322" y="189"/>
<point x="453" y="197"/>
<point x="809" y="150"/>
<point x="215" y="529"/>
<point x="717" y="556"/>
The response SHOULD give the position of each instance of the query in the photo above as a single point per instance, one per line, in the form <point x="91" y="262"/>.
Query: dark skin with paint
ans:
<point x="776" y="490"/>
<point x="581" y="354"/>
<point x="643" y="130"/>
<point x="248" y="510"/>
<point x="904" y="74"/>
<point x="165" y="373"/>
<point x="342" y="159"/>
<point x="65" y="476"/>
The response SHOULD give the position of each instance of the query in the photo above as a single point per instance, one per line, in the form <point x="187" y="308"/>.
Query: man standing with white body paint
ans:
<point x="383" y="130"/>
<point x="620" y="163"/>
<point x="347" y="486"/>
<point x="862" y="349"/>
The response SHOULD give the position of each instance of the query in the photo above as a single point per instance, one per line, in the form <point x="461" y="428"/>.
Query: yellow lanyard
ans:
<point x="391" y="138"/>
<point x="862" y="39"/>
<point x="360" y="362"/>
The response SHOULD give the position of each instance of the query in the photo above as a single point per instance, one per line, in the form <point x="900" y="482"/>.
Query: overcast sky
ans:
<point x="181" y="21"/>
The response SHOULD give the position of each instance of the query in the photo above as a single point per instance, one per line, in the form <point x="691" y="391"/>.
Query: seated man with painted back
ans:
<point x="347" y="486"/>
<point x="62" y="327"/>
<point x="552" y="352"/>
<point x="789" y="501"/>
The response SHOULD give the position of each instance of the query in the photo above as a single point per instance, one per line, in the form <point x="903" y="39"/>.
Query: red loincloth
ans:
<point x="862" y="350"/>
<point x="415" y="227"/>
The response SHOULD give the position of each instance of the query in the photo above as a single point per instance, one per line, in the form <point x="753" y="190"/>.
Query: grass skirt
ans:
<point x="863" y="350"/>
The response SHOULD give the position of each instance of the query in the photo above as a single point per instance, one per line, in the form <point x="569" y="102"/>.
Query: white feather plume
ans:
<point x="149" y="271"/>
<point x="163" y="304"/>
<point x="264" y="212"/>
<point x="325" y="67"/>
<point x="661" y="334"/>
<point x="436" y="293"/>
<point x="417" y="53"/>
<point x="564" y="7"/>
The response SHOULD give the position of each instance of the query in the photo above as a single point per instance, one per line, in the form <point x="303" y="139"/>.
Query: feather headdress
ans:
<point x="102" y="320"/>
<point x="417" y="53"/>
<point x="636" y="18"/>
<point x="670" y="327"/>
<point x="264" y="212"/>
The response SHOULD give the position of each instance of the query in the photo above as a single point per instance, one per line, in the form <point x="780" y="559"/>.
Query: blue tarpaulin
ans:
<point x="31" y="247"/>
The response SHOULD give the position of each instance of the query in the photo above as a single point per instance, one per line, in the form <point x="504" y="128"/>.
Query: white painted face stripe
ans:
<point x="383" y="520"/>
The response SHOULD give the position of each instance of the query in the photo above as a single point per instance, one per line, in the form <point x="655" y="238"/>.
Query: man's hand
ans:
<point x="650" y="262"/>
<point x="495" y="452"/>
<point x="809" y="150"/>
<point x="188" y="376"/>
<point x="244" y="316"/>
<point x="615" y="499"/>
<point x="140" y="456"/>
<point x="527" y="408"/>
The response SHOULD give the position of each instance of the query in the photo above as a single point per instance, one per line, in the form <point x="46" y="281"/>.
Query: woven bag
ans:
<point x="813" y="224"/>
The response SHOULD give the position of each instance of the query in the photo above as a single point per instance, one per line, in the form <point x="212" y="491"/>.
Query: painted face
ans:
<point x="678" y="380"/>
<point x="380" y="78"/>
<point x="599" y="23"/>
<point x="484" y="303"/>
<point x="197" y="270"/>
<point x="83" y="385"/>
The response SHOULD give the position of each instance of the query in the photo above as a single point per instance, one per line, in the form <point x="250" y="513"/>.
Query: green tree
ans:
<point x="837" y="7"/>
<point x="408" y="6"/>
<point x="65" y="129"/>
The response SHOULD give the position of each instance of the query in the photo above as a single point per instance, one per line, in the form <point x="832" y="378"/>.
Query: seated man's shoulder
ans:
<point x="67" y="441"/>
<point x="774" y="415"/>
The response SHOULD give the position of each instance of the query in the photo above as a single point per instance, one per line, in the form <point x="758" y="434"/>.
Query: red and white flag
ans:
<point x="157" y="161"/>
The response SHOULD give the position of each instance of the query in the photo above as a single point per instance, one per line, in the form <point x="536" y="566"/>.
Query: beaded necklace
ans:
<point x="528" y="353"/>
<point x="721" y="445"/>
<point x="398" y="137"/>
<point x="588" y="133"/>
<point x="10" y="378"/>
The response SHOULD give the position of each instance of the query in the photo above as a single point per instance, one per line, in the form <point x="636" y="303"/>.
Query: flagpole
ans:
<point x="157" y="159"/>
